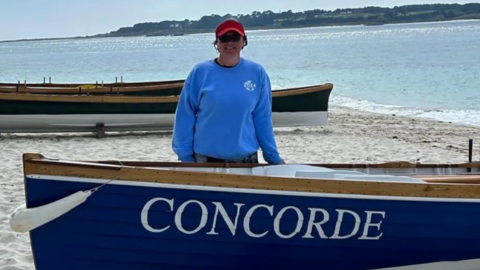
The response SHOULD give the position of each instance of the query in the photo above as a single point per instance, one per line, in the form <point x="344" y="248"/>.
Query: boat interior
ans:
<point x="398" y="172"/>
<point x="389" y="172"/>
<point x="368" y="174"/>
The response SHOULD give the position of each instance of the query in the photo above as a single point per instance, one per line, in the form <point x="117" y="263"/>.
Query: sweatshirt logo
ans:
<point x="249" y="85"/>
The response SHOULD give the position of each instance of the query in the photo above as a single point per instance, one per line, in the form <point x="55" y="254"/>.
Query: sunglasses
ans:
<point x="227" y="38"/>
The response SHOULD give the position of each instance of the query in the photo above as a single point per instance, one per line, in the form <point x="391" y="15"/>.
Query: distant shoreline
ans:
<point x="203" y="31"/>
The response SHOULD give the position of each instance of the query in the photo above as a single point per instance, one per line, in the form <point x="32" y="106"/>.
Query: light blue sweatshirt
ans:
<point x="225" y="113"/>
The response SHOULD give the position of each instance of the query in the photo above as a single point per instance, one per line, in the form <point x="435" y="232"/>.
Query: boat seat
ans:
<point x="378" y="178"/>
<point x="315" y="172"/>
<point x="325" y="174"/>
<point x="287" y="170"/>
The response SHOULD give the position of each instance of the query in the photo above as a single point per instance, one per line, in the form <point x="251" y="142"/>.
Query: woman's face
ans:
<point x="230" y="43"/>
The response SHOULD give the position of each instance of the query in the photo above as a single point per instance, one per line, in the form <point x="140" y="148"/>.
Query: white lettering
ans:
<point x="346" y="225"/>
<point x="203" y="219"/>
<point x="246" y="221"/>
<point x="276" y="222"/>
<point x="232" y="226"/>
<point x="317" y="225"/>
<point x="368" y="223"/>
<point x="336" y="234"/>
<point x="144" y="214"/>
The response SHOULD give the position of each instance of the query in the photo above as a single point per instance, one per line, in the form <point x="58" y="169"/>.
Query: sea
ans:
<point x="418" y="69"/>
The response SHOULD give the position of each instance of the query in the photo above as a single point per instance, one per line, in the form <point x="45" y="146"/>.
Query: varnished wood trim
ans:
<point x="97" y="89"/>
<point x="34" y="165"/>
<point x="457" y="179"/>
<point x="79" y="164"/>
<point x="88" y="99"/>
<point x="105" y="84"/>
<point x="118" y="87"/>
<point x="135" y="99"/>
<point x="84" y="90"/>
<point x="302" y="90"/>
<point x="388" y="165"/>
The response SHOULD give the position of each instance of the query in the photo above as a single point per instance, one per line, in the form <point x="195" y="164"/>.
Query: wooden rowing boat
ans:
<point x="20" y="112"/>
<point x="165" y="88"/>
<point x="151" y="215"/>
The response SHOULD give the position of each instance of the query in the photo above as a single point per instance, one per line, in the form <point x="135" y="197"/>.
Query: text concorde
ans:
<point x="364" y="227"/>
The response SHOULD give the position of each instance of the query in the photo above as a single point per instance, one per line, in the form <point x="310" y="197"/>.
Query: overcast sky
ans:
<point x="65" y="18"/>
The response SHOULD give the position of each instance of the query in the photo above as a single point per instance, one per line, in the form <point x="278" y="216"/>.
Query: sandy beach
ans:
<point x="350" y="137"/>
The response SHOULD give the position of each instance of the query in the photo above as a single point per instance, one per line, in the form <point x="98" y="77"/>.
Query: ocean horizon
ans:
<point x="427" y="69"/>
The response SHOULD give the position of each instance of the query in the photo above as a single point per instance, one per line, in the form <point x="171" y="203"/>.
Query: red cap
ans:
<point x="230" y="25"/>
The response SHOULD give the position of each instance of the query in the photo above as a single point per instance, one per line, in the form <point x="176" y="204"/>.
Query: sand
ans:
<point x="350" y="137"/>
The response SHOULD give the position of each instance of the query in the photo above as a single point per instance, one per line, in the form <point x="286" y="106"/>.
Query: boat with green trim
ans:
<point x="20" y="112"/>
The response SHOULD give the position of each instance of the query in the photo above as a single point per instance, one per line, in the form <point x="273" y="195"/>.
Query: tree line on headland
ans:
<point x="370" y="15"/>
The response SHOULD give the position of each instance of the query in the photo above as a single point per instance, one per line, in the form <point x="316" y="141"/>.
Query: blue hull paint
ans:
<point x="106" y="231"/>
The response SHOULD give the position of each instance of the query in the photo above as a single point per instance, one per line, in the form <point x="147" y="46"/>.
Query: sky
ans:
<point x="25" y="19"/>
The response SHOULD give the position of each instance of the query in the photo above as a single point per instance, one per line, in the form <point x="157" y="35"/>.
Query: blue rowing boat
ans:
<point x="97" y="216"/>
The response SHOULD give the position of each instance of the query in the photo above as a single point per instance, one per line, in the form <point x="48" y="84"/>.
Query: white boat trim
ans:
<point x="130" y="122"/>
<point x="250" y="191"/>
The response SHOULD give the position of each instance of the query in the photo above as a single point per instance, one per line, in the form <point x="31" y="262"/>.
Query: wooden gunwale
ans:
<point x="140" y="99"/>
<point x="114" y="89"/>
<point x="87" y="99"/>
<point x="71" y="90"/>
<point x="457" y="179"/>
<point x="252" y="165"/>
<point x="37" y="164"/>
<point x="473" y="178"/>
<point x="105" y="84"/>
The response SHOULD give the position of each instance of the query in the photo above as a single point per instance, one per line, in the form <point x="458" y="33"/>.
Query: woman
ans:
<point x="224" y="111"/>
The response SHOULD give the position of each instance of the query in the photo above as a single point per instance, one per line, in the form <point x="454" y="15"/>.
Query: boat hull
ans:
<point x="129" y="122"/>
<point x="306" y="106"/>
<point x="79" y="107"/>
<point x="146" y="225"/>
<point x="288" y="100"/>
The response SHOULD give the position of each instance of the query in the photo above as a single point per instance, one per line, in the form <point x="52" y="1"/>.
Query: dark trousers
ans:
<point x="252" y="158"/>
